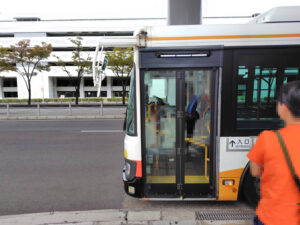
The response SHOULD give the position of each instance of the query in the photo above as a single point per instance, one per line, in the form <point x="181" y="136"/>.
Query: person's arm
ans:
<point x="258" y="152"/>
<point x="255" y="169"/>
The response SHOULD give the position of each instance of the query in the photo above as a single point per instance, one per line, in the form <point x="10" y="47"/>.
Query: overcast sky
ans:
<point x="83" y="9"/>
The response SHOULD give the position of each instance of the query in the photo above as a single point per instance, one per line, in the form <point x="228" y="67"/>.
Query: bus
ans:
<point x="199" y="96"/>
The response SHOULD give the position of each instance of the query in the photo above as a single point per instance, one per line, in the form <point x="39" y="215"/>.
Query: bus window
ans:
<point x="160" y="126"/>
<point x="291" y="74"/>
<point x="198" y="94"/>
<point x="130" y="118"/>
<point x="256" y="95"/>
<point x="264" y="85"/>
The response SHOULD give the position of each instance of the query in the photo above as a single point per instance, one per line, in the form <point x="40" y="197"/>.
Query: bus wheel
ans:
<point x="251" y="189"/>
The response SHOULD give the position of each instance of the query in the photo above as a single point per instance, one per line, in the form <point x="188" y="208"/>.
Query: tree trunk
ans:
<point x="29" y="93"/>
<point x="77" y="90"/>
<point x="270" y="89"/>
<point x="258" y="97"/>
<point x="76" y="95"/>
<point x="269" y="92"/>
<point x="124" y="91"/>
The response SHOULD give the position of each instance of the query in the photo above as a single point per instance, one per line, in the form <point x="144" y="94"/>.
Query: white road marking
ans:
<point x="102" y="131"/>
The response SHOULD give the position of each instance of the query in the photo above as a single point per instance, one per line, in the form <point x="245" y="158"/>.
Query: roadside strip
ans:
<point x="102" y="131"/>
<point x="62" y="117"/>
<point x="121" y="217"/>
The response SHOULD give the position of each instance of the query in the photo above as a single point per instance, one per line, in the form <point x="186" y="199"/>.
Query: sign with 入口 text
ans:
<point x="239" y="143"/>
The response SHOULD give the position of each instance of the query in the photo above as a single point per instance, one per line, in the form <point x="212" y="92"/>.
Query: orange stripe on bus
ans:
<point x="138" y="172"/>
<point x="222" y="37"/>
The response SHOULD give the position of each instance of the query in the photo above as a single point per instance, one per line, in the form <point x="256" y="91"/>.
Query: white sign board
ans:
<point x="239" y="143"/>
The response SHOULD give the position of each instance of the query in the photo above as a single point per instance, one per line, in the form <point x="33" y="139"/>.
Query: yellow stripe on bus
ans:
<point x="172" y="179"/>
<point x="196" y="180"/>
<point x="222" y="37"/>
<point x="161" y="179"/>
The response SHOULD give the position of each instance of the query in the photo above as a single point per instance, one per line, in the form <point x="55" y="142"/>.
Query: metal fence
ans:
<point x="10" y="110"/>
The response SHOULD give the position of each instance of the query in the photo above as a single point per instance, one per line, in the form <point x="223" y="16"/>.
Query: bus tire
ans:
<point x="251" y="189"/>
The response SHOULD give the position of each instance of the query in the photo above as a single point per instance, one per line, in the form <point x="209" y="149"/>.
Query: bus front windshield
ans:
<point x="130" y="118"/>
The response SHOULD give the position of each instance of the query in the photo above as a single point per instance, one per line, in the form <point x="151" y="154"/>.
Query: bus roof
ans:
<point x="225" y="35"/>
<point x="281" y="31"/>
<point x="281" y="14"/>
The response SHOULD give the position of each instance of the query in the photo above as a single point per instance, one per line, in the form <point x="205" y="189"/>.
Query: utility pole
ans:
<point x="184" y="12"/>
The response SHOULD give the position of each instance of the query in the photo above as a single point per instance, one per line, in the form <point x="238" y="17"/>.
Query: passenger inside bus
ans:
<point x="196" y="112"/>
<point x="192" y="116"/>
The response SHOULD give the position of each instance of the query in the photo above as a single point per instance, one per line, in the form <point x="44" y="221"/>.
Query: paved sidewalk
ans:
<point x="119" y="217"/>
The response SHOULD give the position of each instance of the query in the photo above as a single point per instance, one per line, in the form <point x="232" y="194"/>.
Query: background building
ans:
<point x="118" y="18"/>
<point x="56" y="83"/>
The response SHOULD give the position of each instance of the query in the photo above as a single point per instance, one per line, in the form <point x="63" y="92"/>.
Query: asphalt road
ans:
<point x="60" y="165"/>
<point x="69" y="166"/>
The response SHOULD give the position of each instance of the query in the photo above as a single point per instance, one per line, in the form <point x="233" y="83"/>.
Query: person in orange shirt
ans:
<point x="280" y="196"/>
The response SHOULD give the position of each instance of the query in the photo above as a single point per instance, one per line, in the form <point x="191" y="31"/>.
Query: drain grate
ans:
<point x="224" y="215"/>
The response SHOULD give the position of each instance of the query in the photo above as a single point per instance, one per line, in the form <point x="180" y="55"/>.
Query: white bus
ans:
<point x="199" y="96"/>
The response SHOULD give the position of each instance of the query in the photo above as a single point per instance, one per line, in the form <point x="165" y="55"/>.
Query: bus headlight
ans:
<point x="127" y="169"/>
<point x="130" y="168"/>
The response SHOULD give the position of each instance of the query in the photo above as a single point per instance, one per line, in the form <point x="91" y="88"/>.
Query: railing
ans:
<point x="42" y="110"/>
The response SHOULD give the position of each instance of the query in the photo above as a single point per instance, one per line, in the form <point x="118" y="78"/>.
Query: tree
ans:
<point x="120" y="62"/>
<point x="83" y="65"/>
<point x="27" y="61"/>
<point x="4" y="64"/>
<point x="270" y="81"/>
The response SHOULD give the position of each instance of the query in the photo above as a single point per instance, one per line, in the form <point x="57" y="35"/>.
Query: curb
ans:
<point x="63" y="117"/>
<point x="116" y="217"/>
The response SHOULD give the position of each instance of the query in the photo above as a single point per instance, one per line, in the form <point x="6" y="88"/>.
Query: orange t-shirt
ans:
<point x="279" y="193"/>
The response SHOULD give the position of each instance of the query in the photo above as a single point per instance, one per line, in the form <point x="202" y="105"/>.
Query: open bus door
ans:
<point x="179" y="121"/>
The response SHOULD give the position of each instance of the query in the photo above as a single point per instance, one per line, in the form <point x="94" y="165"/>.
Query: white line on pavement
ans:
<point x="102" y="131"/>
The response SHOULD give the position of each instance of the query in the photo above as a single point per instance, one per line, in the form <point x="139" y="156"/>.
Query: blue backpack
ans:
<point x="191" y="109"/>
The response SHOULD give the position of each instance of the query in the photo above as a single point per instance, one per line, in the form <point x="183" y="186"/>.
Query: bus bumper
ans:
<point x="133" y="187"/>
